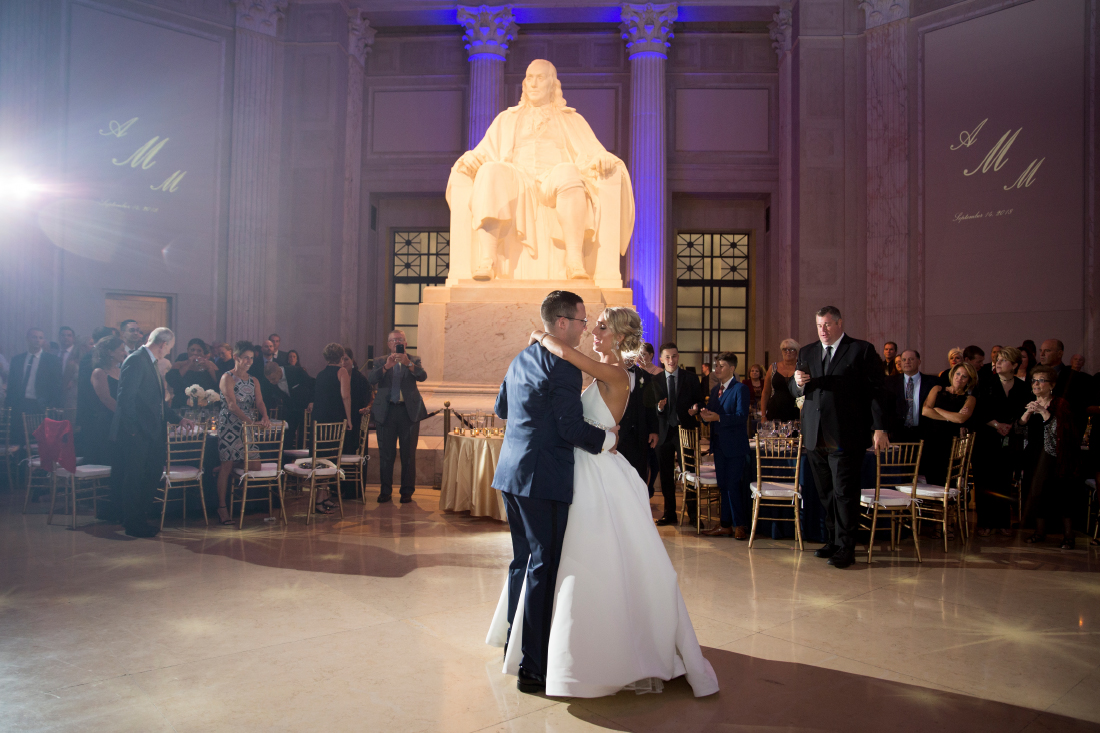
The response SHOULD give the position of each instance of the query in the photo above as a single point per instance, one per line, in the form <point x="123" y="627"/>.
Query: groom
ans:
<point x="541" y="400"/>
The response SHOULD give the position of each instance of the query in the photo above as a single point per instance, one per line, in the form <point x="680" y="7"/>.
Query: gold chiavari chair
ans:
<point x="36" y="477"/>
<point x="355" y="464"/>
<point x="88" y="479"/>
<point x="306" y="435"/>
<point x="895" y="467"/>
<point x="273" y="413"/>
<point x="698" y="480"/>
<point x="778" y="461"/>
<point x="266" y="446"/>
<point x="935" y="503"/>
<point x="8" y="450"/>
<point x="322" y="468"/>
<point x="183" y="469"/>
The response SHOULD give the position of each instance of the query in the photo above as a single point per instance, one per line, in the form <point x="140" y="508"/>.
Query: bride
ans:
<point x="619" y="620"/>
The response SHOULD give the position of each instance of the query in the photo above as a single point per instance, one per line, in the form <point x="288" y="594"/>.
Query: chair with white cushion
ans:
<point x="88" y="480"/>
<point x="264" y="446"/>
<point x="895" y="467"/>
<point x="321" y="469"/>
<point x="305" y="436"/>
<point x="183" y="469"/>
<point x="354" y="465"/>
<point x="36" y="477"/>
<point x="936" y="503"/>
<point x="778" y="461"/>
<point x="698" y="479"/>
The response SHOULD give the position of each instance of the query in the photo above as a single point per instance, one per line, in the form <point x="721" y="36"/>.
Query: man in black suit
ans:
<point x="679" y="394"/>
<point x="34" y="382"/>
<point x="131" y="334"/>
<point x="293" y="391"/>
<point x="139" y="431"/>
<point x="1072" y="386"/>
<point x="281" y="357"/>
<point x="638" y="429"/>
<point x="842" y="381"/>
<point x="398" y="410"/>
<point x="907" y="392"/>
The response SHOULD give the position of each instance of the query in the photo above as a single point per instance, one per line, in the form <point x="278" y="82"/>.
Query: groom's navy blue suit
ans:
<point x="540" y="399"/>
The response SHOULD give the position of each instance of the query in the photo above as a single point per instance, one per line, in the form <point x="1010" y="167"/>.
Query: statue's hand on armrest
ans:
<point x="468" y="164"/>
<point x="607" y="164"/>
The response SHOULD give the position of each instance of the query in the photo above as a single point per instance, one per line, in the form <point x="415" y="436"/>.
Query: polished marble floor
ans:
<point x="376" y="622"/>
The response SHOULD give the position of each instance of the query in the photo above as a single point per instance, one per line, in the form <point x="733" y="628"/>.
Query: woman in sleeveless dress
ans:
<point x="619" y="620"/>
<point x="242" y="404"/>
<point x="946" y="408"/>
<point x="332" y="403"/>
<point x="108" y="355"/>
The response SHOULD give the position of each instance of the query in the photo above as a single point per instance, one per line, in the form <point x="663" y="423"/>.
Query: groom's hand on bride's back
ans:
<point x="614" y="431"/>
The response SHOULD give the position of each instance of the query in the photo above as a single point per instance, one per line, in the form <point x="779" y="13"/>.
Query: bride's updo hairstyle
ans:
<point x="627" y="325"/>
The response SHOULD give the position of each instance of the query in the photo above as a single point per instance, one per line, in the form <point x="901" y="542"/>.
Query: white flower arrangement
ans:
<point x="199" y="397"/>
<point x="212" y="396"/>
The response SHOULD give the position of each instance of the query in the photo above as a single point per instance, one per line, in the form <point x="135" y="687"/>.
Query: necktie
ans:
<point x="721" y="389"/>
<point x="828" y="359"/>
<point x="395" y="385"/>
<point x="673" y="417"/>
<point x="27" y="372"/>
<point x="909" y="384"/>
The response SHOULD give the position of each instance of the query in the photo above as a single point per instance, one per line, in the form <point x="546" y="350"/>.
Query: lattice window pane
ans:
<point x="420" y="259"/>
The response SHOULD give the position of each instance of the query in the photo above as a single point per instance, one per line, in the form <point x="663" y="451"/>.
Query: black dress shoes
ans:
<point x="665" y="521"/>
<point x="406" y="499"/>
<point x="827" y="551"/>
<point x="141" y="530"/>
<point x="843" y="558"/>
<point x="384" y="499"/>
<point x="530" y="683"/>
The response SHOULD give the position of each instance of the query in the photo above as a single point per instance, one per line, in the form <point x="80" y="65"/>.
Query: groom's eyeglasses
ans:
<point x="582" y="320"/>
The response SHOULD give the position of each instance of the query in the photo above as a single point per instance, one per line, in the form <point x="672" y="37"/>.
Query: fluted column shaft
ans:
<point x="486" y="94"/>
<point x="253" y="188"/>
<point x="647" y="257"/>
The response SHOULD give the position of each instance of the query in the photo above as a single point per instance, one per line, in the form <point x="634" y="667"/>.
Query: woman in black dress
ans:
<point x="947" y="408"/>
<point x="106" y="359"/>
<point x="1002" y="400"/>
<point x="332" y="400"/>
<point x="776" y="400"/>
<point x="193" y="368"/>
<point x="1050" y="457"/>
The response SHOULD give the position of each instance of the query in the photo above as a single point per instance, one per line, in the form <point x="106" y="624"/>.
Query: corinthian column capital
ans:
<point x="647" y="28"/>
<point x="489" y="29"/>
<point x="262" y="16"/>
<point x="360" y="36"/>
<point x="780" y="30"/>
<point x="881" y="12"/>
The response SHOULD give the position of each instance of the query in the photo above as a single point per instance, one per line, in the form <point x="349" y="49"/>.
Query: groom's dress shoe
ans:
<point x="827" y="551"/>
<point x="843" y="558"/>
<point x="719" y="532"/>
<point x="530" y="683"/>
<point x="665" y="521"/>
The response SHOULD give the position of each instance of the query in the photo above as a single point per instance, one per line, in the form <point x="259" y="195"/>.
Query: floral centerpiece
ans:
<point x="199" y="397"/>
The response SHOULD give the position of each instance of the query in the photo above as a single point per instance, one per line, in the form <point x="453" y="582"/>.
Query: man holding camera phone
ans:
<point x="398" y="410"/>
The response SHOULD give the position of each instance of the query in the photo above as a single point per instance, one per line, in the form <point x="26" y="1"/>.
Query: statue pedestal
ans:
<point x="469" y="333"/>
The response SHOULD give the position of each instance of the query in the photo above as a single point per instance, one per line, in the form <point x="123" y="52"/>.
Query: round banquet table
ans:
<point x="469" y="464"/>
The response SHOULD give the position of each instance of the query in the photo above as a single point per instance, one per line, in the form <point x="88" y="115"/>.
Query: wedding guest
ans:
<point x="755" y="383"/>
<point x="242" y="404"/>
<point x="268" y="350"/>
<point x="987" y="372"/>
<point x="70" y="354"/>
<point x="35" y="382"/>
<point x="131" y="334"/>
<point x="1027" y="362"/>
<point x="645" y="362"/>
<point x="1001" y="402"/>
<point x="727" y="412"/>
<point x="223" y="357"/>
<point x="909" y="390"/>
<point x="975" y="357"/>
<point x="332" y="402"/>
<point x="889" y="357"/>
<point x="86" y="399"/>
<point x="294" y="390"/>
<point x="397" y="415"/>
<point x="776" y="400"/>
<point x="679" y="396"/>
<point x="292" y="359"/>
<point x="638" y="430"/>
<point x="192" y="367"/>
<point x="1074" y="387"/>
<point x="1077" y="362"/>
<point x="139" y="433"/>
<point x="280" y="356"/>
<point x="107" y="362"/>
<point x="947" y="408"/>
<point x="954" y="358"/>
<point x="1051" y="455"/>
<point x="897" y="364"/>
<point x="361" y="394"/>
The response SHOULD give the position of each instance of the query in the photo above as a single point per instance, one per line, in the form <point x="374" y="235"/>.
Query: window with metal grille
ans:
<point x="420" y="259"/>
<point x="712" y="288"/>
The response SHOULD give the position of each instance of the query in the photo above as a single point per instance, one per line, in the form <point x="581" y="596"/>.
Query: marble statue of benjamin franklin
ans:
<point x="536" y="177"/>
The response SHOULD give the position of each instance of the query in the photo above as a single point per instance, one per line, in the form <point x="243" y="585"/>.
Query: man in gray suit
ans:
<point x="398" y="410"/>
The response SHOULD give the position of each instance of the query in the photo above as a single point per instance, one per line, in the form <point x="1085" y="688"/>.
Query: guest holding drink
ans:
<point x="946" y="408"/>
<point x="1001" y="402"/>
<point x="1050" y="457"/>
<point x="193" y="368"/>
<point x="776" y="400"/>
<point x="242" y="404"/>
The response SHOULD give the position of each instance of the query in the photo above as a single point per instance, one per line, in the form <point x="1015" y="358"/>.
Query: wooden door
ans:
<point x="149" y="311"/>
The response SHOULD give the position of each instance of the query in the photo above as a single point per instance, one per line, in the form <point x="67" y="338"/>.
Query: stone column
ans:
<point x="888" y="280"/>
<point x="360" y="39"/>
<point x="489" y="31"/>
<point x="783" y="237"/>
<point x="254" y="171"/>
<point x="647" y="29"/>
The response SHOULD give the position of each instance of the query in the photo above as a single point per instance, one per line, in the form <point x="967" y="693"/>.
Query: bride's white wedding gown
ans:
<point x="619" y="619"/>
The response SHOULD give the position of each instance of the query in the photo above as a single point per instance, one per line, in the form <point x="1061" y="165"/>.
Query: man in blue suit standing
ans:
<point x="728" y="412"/>
<point x="541" y="400"/>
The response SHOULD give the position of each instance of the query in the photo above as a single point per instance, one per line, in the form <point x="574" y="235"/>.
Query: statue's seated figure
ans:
<point x="538" y="184"/>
